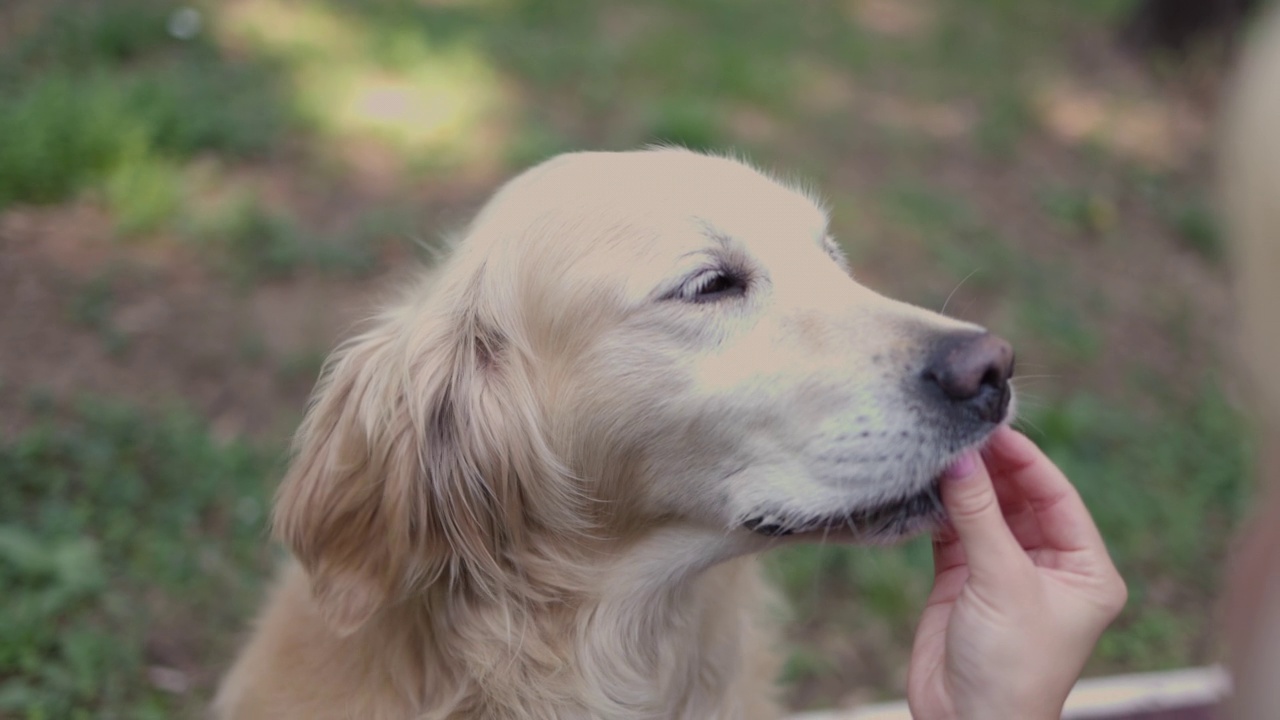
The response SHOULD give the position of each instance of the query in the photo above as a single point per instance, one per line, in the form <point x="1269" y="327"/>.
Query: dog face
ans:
<point x="625" y="342"/>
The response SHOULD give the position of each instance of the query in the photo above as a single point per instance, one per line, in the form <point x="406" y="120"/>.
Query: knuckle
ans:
<point x="1122" y="591"/>
<point x="1115" y="594"/>
<point x="975" y="505"/>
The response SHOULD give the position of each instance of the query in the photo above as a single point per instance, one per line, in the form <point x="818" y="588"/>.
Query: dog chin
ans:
<point x="880" y="524"/>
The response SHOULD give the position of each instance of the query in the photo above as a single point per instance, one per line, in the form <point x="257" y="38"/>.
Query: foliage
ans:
<point x="127" y="541"/>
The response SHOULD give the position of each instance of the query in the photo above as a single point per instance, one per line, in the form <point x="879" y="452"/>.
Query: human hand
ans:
<point x="1023" y="588"/>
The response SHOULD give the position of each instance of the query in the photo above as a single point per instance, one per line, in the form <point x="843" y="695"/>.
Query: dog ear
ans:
<point x="414" y="462"/>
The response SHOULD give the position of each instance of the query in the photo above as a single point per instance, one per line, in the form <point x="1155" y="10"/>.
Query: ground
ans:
<point x="197" y="202"/>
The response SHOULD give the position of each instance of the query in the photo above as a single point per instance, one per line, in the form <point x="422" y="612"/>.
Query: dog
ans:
<point x="536" y="485"/>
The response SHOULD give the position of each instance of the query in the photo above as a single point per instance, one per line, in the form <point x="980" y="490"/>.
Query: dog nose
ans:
<point x="974" y="371"/>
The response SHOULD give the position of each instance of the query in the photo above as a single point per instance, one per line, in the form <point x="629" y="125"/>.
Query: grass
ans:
<point x="252" y="241"/>
<point x="1169" y="546"/>
<point x="103" y="102"/>
<point x="1196" y="226"/>
<point x="91" y="306"/>
<point x="86" y="36"/>
<point x="691" y="124"/>
<point x="70" y="130"/>
<point x="952" y="232"/>
<point x="1087" y="213"/>
<point x="957" y="238"/>
<point x="1006" y="118"/>
<point x="128" y="542"/>
<point x="302" y="368"/>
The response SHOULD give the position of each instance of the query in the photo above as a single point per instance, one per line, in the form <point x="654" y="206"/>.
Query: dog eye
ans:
<point x="714" y="285"/>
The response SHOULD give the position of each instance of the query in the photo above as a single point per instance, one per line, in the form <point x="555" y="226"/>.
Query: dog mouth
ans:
<point x="886" y="521"/>
<point x="891" y="519"/>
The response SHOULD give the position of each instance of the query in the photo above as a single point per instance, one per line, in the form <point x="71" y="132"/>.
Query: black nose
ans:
<point x="974" y="371"/>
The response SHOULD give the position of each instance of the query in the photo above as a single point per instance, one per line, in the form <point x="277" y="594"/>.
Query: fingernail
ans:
<point x="961" y="468"/>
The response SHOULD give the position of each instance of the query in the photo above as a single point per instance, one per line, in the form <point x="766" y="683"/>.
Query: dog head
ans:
<point x="620" y="344"/>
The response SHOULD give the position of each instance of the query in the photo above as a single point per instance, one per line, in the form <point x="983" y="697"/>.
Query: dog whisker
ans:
<point x="946" y="302"/>
<point x="1024" y="379"/>
<point x="1028" y="423"/>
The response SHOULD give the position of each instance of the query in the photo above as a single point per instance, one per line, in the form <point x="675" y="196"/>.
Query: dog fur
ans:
<point x="534" y="487"/>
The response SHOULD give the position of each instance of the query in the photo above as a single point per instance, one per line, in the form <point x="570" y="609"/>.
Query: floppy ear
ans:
<point x="413" y="465"/>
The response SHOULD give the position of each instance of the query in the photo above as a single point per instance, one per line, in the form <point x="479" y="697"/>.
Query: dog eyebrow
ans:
<point x="726" y="245"/>
<point x="722" y="238"/>
<point x="728" y="249"/>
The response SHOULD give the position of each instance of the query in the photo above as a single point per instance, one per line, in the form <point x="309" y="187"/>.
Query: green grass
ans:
<point x="1086" y="213"/>
<point x="67" y="131"/>
<point x="85" y="35"/>
<point x="302" y="368"/>
<point x="954" y="234"/>
<point x="1166" y="493"/>
<point x="957" y="238"/>
<point x="688" y="123"/>
<point x="127" y="541"/>
<point x="91" y="306"/>
<point x="536" y="141"/>
<point x="144" y="194"/>
<point x="1006" y="119"/>
<point x="1196" y="227"/>
<point x="100" y="101"/>
<point x="252" y="241"/>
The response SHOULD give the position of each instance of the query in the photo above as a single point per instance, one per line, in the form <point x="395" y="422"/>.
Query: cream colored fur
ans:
<point x="521" y="492"/>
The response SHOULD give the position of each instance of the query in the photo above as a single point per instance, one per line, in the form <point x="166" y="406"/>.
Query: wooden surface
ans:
<point x="1190" y="694"/>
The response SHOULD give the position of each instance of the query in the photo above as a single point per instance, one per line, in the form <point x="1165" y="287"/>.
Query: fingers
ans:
<point x="948" y="552"/>
<point x="1018" y="514"/>
<point x="950" y="573"/>
<point x="979" y="524"/>
<point x="1064" y="521"/>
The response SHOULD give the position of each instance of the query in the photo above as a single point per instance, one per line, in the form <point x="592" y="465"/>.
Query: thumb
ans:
<point x="974" y="511"/>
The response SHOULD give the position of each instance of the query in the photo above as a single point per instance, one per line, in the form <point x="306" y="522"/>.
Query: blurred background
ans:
<point x="196" y="202"/>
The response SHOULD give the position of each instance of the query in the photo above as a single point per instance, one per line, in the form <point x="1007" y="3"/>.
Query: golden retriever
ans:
<point x="535" y="486"/>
